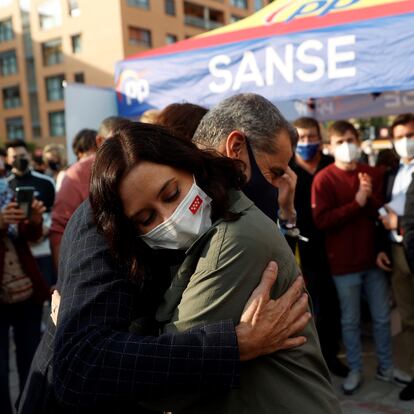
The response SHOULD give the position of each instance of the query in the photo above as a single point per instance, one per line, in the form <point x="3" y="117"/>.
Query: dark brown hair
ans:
<point x="307" y="122"/>
<point x="340" y="128"/>
<point x="181" y="119"/>
<point x="402" y="119"/>
<point x="131" y="144"/>
<point x="84" y="141"/>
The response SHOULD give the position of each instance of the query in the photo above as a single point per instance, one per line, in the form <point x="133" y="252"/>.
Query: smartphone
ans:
<point x="24" y="198"/>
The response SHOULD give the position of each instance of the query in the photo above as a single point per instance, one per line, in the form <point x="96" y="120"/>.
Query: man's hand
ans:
<point x="384" y="262"/>
<point x="38" y="208"/>
<point x="286" y="185"/>
<point x="267" y="325"/>
<point x="13" y="214"/>
<point x="390" y="221"/>
<point x="365" y="189"/>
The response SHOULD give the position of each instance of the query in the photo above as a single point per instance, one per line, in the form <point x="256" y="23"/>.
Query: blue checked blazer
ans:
<point x="92" y="363"/>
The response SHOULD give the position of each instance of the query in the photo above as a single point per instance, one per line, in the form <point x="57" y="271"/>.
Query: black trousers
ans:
<point x="24" y="318"/>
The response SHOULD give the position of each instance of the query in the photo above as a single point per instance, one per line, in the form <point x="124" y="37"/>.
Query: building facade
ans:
<point x="44" y="43"/>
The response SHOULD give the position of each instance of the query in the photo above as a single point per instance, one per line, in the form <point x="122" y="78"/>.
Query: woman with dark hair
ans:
<point x="157" y="198"/>
<point x="181" y="119"/>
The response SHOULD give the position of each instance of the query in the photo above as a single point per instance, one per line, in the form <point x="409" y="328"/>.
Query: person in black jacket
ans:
<point x="408" y="232"/>
<point x="396" y="186"/>
<point x="308" y="161"/>
<point x="408" y="225"/>
<point x="21" y="175"/>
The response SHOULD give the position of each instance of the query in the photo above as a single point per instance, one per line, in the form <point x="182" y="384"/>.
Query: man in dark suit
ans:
<point x="98" y="366"/>
<point x="408" y="225"/>
<point x="397" y="183"/>
<point x="408" y="230"/>
<point x="308" y="161"/>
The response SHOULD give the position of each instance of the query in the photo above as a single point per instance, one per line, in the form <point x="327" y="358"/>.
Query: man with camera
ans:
<point x="19" y="159"/>
<point x="22" y="287"/>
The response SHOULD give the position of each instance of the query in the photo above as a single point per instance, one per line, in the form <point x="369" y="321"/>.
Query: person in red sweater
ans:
<point x="75" y="188"/>
<point x="346" y="197"/>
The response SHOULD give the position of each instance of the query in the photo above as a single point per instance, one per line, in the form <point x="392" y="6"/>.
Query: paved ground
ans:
<point x="374" y="397"/>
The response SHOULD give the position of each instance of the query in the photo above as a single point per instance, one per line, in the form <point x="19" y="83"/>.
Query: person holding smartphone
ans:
<point x="22" y="288"/>
<point x="19" y="157"/>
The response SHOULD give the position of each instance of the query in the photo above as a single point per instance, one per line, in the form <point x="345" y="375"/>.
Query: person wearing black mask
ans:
<point x="19" y="158"/>
<point x="250" y="128"/>
<point x="54" y="159"/>
<point x="308" y="161"/>
<point x="21" y="175"/>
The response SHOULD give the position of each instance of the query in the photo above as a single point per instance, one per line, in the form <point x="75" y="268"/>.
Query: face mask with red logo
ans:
<point x="190" y="220"/>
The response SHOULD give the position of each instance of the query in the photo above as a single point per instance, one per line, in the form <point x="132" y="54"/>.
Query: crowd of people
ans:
<point x="204" y="261"/>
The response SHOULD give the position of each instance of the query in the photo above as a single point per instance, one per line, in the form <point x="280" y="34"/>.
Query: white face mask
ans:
<point x="189" y="221"/>
<point x="404" y="147"/>
<point x="347" y="152"/>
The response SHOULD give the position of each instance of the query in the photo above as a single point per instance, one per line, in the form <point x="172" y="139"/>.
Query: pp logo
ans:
<point x="133" y="86"/>
<point x="293" y="9"/>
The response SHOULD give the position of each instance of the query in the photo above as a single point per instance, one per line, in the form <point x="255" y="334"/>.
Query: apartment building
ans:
<point x="44" y="43"/>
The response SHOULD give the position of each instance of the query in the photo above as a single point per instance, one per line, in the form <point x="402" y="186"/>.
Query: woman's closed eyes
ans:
<point x="145" y="218"/>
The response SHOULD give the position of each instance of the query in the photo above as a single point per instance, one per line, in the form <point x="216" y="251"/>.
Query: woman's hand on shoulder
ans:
<point x="267" y="325"/>
<point x="55" y="306"/>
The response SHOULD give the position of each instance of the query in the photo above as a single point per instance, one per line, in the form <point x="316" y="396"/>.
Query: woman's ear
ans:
<point x="236" y="145"/>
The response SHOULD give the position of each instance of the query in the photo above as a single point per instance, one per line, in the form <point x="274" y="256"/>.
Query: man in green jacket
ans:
<point x="216" y="278"/>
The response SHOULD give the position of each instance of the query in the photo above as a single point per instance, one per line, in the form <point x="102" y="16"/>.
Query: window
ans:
<point x="139" y="37"/>
<point x="241" y="4"/>
<point x="170" y="38"/>
<point x="6" y="30"/>
<point x="14" y="128"/>
<point x="258" y="4"/>
<point x="79" y="77"/>
<point x="234" y="18"/>
<point x="169" y="6"/>
<point x="54" y="87"/>
<point x="11" y="97"/>
<point x="57" y="123"/>
<point x="74" y="10"/>
<point x="201" y="16"/>
<point x="5" y="3"/>
<point x="52" y="52"/>
<point x="142" y="4"/>
<point x="76" y="43"/>
<point x="50" y="14"/>
<point x="8" y="63"/>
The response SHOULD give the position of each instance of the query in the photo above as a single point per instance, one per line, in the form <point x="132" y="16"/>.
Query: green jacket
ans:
<point x="220" y="271"/>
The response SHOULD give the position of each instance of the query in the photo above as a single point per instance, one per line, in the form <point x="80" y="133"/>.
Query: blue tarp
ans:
<point x="367" y="55"/>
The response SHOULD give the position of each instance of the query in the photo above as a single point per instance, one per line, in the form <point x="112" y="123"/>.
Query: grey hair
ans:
<point x="251" y="114"/>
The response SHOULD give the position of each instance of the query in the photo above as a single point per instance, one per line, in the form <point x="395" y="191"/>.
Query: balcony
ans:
<point x="202" y="16"/>
<point x="199" y="22"/>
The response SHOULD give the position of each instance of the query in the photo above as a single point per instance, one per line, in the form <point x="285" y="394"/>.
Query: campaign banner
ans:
<point x="369" y="56"/>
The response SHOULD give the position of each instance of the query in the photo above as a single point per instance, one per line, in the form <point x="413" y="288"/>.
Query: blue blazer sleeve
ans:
<point x="97" y="361"/>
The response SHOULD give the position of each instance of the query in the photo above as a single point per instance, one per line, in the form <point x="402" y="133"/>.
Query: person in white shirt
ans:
<point x="398" y="181"/>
